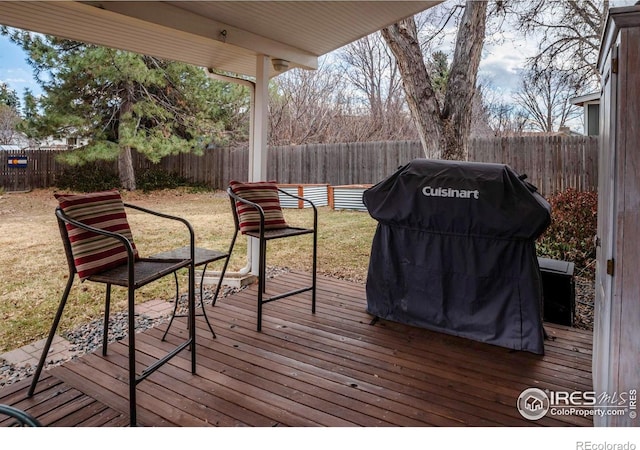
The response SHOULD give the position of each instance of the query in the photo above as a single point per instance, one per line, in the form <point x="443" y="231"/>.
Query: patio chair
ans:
<point x="99" y="247"/>
<point x="257" y="213"/>
<point x="17" y="417"/>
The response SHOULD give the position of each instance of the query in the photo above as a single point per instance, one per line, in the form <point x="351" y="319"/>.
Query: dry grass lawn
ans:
<point x="34" y="267"/>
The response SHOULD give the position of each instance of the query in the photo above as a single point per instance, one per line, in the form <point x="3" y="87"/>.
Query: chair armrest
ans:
<point x="315" y="210"/>
<point x="192" y="238"/>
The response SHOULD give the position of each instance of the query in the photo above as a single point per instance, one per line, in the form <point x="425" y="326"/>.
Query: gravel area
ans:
<point x="84" y="339"/>
<point x="88" y="337"/>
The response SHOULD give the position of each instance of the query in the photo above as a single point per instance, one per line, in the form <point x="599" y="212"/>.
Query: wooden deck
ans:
<point x="329" y="369"/>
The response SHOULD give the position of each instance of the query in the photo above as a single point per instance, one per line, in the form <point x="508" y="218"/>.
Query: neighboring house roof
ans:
<point x="581" y="100"/>
<point x="10" y="148"/>
<point x="20" y="140"/>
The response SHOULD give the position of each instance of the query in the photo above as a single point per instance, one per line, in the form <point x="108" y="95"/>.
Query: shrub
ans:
<point x="97" y="176"/>
<point x="90" y="177"/>
<point x="155" y="178"/>
<point x="573" y="227"/>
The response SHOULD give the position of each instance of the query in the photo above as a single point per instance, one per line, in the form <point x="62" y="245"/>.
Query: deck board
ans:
<point x="333" y="368"/>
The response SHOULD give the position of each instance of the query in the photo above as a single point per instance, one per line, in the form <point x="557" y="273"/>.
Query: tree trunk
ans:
<point x="461" y="87"/>
<point x="125" y="169"/>
<point x="125" y="160"/>
<point x="444" y="133"/>
<point x="402" y="39"/>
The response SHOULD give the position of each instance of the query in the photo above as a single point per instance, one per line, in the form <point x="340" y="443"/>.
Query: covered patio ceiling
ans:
<point x="225" y="35"/>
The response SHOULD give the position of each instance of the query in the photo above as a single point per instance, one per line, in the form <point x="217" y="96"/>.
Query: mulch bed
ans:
<point x="585" y="298"/>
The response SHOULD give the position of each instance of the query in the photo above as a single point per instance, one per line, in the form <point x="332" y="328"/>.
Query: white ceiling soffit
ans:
<point x="226" y="35"/>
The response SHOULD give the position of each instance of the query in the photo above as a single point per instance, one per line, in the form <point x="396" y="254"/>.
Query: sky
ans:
<point x="14" y="70"/>
<point x="501" y="63"/>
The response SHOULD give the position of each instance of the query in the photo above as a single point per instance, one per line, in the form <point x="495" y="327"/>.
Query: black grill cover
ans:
<point x="454" y="251"/>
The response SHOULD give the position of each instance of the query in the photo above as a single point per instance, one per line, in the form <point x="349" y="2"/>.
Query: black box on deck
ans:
<point x="558" y="288"/>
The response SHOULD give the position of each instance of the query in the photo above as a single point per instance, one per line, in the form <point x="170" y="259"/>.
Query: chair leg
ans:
<point x="134" y="379"/>
<point x="192" y="315"/>
<point x="133" y="419"/>
<point x="52" y="332"/>
<point x="219" y="286"/>
<point x="314" y="277"/>
<point x="105" y="331"/>
<point x="263" y="265"/>
<point x="262" y="280"/>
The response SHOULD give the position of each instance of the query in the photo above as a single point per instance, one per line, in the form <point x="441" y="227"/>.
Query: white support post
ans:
<point x="258" y="146"/>
<point x="258" y="151"/>
<point x="258" y="135"/>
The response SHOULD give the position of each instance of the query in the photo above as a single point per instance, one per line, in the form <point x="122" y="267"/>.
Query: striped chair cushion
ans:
<point x="264" y="194"/>
<point x="93" y="253"/>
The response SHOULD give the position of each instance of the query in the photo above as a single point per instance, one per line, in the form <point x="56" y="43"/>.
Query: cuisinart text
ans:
<point x="449" y="192"/>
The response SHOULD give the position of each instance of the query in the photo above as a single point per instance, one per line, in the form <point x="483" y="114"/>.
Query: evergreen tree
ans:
<point x="121" y="101"/>
<point x="8" y="97"/>
<point x="438" y="67"/>
<point x="9" y="116"/>
<point x="30" y="116"/>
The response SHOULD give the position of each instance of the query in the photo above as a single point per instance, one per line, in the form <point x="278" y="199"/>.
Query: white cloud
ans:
<point x="503" y="59"/>
<point x="16" y="76"/>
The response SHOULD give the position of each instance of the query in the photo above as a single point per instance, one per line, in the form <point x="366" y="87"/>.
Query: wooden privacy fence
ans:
<point x="552" y="163"/>
<point x="41" y="169"/>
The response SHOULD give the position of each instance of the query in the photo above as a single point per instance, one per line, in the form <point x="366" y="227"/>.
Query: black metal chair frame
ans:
<point x="265" y="236"/>
<point x="132" y="275"/>
<point x="20" y="417"/>
<point x="203" y="257"/>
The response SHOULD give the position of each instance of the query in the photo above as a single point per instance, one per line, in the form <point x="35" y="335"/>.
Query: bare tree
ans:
<point x="507" y="119"/>
<point x="545" y="97"/>
<point x="9" y="120"/>
<point x="504" y="118"/>
<point x="304" y="105"/>
<point x="570" y="33"/>
<point x="320" y="106"/>
<point x="443" y="130"/>
<point x="371" y="70"/>
<point x="370" y="67"/>
<point x="481" y="113"/>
